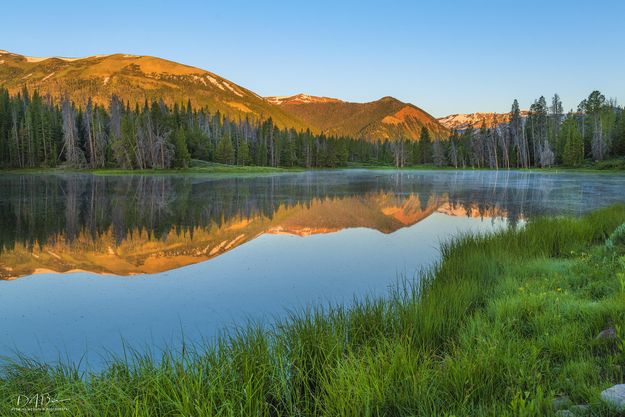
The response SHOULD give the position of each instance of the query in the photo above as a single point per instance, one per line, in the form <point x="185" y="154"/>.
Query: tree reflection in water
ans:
<point x="145" y="224"/>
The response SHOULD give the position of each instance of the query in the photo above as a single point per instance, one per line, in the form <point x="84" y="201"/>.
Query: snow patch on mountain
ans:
<point x="199" y="79"/>
<point x="235" y="91"/>
<point x="463" y="121"/>
<point x="300" y="99"/>
<point x="35" y="59"/>
<point x="216" y="82"/>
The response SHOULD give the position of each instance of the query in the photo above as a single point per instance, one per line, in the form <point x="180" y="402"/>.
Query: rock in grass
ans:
<point x="580" y="409"/>
<point x="565" y="413"/>
<point x="607" y="334"/>
<point x="561" y="403"/>
<point x="615" y="396"/>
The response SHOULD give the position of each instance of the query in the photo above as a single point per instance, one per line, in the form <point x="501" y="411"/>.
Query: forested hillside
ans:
<point x="37" y="131"/>
<point x="135" y="79"/>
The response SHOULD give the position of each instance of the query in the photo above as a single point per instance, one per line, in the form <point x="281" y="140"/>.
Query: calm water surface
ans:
<point x="87" y="262"/>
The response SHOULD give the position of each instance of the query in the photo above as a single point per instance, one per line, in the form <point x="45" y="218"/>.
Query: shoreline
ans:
<point x="261" y="170"/>
<point x="505" y="324"/>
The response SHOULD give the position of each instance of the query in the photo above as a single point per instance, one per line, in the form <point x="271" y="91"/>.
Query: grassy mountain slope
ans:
<point x="138" y="78"/>
<point x="387" y="118"/>
<point x="135" y="79"/>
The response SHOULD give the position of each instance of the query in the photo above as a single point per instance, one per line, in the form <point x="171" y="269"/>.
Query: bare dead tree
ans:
<point x="73" y="154"/>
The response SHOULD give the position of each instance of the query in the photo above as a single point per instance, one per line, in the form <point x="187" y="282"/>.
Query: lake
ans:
<point x="89" y="263"/>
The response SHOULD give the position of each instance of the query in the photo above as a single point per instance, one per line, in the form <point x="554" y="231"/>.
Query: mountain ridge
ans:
<point x="139" y="78"/>
<point x="135" y="79"/>
<point x="385" y="118"/>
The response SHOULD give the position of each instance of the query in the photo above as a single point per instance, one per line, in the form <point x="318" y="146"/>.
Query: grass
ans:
<point x="502" y="326"/>
<point x="202" y="167"/>
<point x="612" y="166"/>
<point x="213" y="169"/>
<point x="196" y="167"/>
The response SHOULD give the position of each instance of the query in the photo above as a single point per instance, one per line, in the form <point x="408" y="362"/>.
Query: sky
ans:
<point x="443" y="56"/>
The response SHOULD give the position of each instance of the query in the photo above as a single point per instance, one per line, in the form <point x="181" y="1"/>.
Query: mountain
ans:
<point x="475" y="120"/>
<point x="141" y="252"/>
<point x="386" y="118"/>
<point x="135" y="79"/>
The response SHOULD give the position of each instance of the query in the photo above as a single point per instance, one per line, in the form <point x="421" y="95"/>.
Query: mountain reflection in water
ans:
<point x="126" y="225"/>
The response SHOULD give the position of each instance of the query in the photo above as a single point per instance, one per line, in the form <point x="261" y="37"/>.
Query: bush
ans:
<point x="611" y="164"/>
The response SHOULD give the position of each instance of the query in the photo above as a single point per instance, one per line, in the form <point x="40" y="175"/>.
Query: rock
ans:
<point x="565" y="413"/>
<point x="615" y="396"/>
<point x="580" y="409"/>
<point x="560" y="403"/>
<point x="607" y="334"/>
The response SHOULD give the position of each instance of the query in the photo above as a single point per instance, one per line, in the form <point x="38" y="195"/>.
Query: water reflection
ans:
<point x="126" y="225"/>
<point x="362" y="229"/>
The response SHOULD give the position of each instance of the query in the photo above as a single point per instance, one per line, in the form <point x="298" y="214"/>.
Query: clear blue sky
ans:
<point x="446" y="57"/>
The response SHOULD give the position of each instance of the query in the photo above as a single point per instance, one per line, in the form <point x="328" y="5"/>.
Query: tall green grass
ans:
<point x="501" y="326"/>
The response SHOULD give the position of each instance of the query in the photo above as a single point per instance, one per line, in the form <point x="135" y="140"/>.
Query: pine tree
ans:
<point x="124" y="146"/>
<point x="181" y="152"/>
<point x="243" y="154"/>
<point x="570" y="136"/>
<point x="425" y="146"/>
<point x="224" y="153"/>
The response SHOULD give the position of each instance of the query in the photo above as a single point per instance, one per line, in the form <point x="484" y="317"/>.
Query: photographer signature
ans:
<point x="39" y="402"/>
